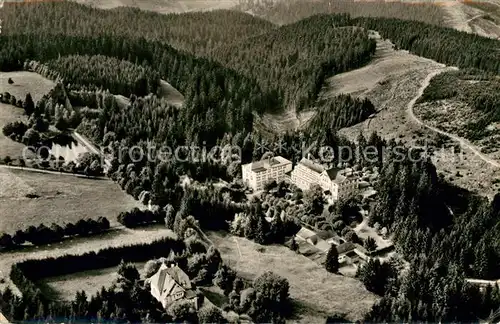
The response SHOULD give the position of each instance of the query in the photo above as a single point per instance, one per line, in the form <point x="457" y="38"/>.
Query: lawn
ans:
<point x="62" y="198"/>
<point x="25" y="82"/>
<point x="315" y="293"/>
<point x="9" y="147"/>
<point x="66" y="287"/>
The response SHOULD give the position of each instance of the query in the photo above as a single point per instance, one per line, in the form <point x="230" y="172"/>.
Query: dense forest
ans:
<point x="196" y="32"/>
<point x="206" y="86"/>
<point x="479" y="90"/>
<point x="341" y="111"/>
<point x="117" y="76"/>
<point x="446" y="234"/>
<point x="294" y="60"/>
<point x="286" y="12"/>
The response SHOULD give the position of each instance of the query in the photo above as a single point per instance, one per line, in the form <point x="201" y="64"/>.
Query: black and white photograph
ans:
<point x="249" y="161"/>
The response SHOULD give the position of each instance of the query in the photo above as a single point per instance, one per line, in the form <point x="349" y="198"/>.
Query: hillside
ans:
<point x="391" y="81"/>
<point x="294" y="60"/>
<point x="163" y="6"/>
<point x="479" y="17"/>
<point x="197" y="32"/>
<point x="286" y="12"/>
<point x="466" y="103"/>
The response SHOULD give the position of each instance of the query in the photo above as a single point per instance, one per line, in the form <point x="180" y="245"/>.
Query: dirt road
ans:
<point x="12" y="167"/>
<point x="463" y="142"/>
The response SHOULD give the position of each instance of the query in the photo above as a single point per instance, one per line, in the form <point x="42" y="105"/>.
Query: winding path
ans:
<point x="463" y="142"/>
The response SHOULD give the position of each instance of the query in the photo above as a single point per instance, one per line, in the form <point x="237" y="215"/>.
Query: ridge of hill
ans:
<point x="198" y="32"/>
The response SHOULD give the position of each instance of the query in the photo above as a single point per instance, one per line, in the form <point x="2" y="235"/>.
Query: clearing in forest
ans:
<point x="58" y="199"/>
<point x="25" y="82"/>
<point x="170" y="93"/>
<point x="315" y="293"/>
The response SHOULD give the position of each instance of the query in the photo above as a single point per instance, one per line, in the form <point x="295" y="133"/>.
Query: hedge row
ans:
<point x="42" y="234"/>
<point x="137" y="217"/>
<point x="25" y="273"/>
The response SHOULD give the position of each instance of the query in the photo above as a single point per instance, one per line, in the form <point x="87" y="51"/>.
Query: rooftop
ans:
<point x="174" y="272"/>
<point x="263" y="165"/>
<point x="312" y="165"/>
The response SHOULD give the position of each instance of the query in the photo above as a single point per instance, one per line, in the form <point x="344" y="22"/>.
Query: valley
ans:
<point x="236" y="206"/>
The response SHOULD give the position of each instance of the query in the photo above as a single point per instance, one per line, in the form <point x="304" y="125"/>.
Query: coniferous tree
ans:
<point x="332" y="260"/>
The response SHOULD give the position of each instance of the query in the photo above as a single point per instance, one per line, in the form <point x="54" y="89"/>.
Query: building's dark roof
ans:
<point x="345" y="247"/>
<point x="332" y="173"/>
<point x="325" y="235"/>
<point x="179" y="276"/>
<point x="311" y="165"/>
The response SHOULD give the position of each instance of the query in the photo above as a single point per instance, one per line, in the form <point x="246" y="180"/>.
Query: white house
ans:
<point x="257" y="174"/>
<point x="340" y="183"/>
<point x="171" y="284"/>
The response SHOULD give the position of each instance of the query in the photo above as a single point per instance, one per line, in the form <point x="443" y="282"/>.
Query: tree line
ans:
<point x="445" y="45"/>
<point x="341" y="111"/>
<point x="137" y="217"/>
<point x="41" y="234"/>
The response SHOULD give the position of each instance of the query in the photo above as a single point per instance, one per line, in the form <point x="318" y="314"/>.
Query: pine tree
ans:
<point x="262" y="234"/>
<point x="29" y="105"/>
<point x="332" y="260"/>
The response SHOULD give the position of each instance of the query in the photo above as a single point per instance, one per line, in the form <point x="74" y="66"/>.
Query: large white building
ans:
<point x="257" y="174"/>
<point x="340" y="183"/>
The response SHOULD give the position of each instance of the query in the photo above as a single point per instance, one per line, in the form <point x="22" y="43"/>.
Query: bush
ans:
<point x="271" y="303"/>
<point x="137" y="217"/>
<point x="15" y="129"/>
<point x="210" y="315"/>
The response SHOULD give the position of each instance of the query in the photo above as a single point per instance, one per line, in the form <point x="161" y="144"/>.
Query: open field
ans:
<point x="61" y="199"/>
<point x="163" y="6"/>
<point x="66" y="287"/>
<point x="119" y="237"/>
<point x="315" y="292"/>
<point x="9" y="147"/>
<point x="170" y="93"/>
<point x="25" y="82"/>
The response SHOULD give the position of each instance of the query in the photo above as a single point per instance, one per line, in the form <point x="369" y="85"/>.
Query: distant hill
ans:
<point x="285" y="12"/>
<point x="197" y="32"/>
<point x="294" y="60"/>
